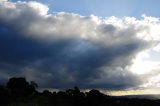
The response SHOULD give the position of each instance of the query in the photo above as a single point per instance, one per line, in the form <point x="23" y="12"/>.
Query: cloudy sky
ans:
<point x="91" y="44"/>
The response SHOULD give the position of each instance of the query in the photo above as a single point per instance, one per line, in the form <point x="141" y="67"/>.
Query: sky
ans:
<point x="107" y="45"/>
<point x="104" y="8"/>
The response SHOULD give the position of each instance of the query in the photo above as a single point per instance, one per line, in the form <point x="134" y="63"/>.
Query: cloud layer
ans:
<point x="66" y="49"/>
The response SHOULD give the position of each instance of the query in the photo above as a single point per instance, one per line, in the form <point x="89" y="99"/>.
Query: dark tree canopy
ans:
<point x="20" y="92"/>
<point x="20" y="87"/>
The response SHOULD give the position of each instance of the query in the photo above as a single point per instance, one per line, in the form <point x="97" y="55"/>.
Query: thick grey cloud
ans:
<point x="65" y="49"/>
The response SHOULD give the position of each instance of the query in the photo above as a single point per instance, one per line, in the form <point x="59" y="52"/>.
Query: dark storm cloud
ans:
<point x="66" y="49"/>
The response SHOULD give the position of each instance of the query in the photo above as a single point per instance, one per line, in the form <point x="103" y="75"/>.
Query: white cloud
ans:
<point x="3" y="0"/>
<point x="40" y="8"/>
<point x="34" y="19"/>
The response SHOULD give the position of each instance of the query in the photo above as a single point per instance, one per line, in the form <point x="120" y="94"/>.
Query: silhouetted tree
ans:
<point x="46" y="93"/>
<point x="76" y="96"/>
<point x="20" y="87"/>
<point x="24" y="92"/>
<point x="95" y="98"/>
<point x="35" y="85"/>
<point x="4" y="95"/>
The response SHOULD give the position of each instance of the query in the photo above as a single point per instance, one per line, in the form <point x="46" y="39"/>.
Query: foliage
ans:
<point x="19" y="92"/>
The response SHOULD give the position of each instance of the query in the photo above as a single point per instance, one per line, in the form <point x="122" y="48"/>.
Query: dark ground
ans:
<point x="19" y="92"/>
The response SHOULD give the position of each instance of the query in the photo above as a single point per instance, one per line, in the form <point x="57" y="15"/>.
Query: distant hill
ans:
<point x="146" y="96"/>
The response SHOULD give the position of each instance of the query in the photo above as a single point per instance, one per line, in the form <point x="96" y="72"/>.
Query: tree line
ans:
<point x="19" y="92"/>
